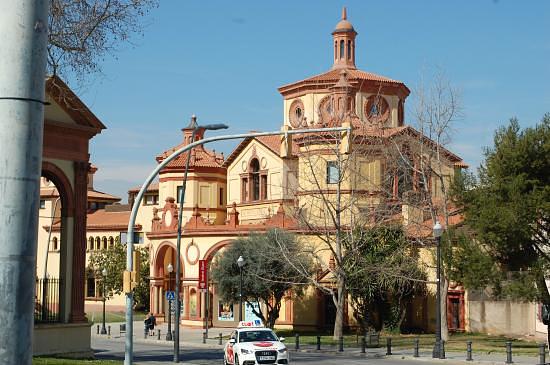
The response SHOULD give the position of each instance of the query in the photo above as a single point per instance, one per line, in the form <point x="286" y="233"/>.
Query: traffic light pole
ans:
<point x="128" y="359"/>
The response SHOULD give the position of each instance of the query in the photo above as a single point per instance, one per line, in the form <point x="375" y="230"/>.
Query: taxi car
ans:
<point x="251" y="343"/>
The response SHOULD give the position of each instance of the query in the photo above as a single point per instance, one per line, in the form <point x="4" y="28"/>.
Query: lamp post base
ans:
<point x="436" y="350"/>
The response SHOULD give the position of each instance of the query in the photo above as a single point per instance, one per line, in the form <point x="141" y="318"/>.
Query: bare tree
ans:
<point x="83" y="32"/>
<point x="437" y="109"/>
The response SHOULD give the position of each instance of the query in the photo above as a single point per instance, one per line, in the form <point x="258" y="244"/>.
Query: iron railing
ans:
<point x="46" y="301"/>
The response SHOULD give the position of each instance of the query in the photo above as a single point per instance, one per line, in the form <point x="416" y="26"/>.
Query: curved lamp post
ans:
<point x="103" y="329"/>
<point x="437" y="232"/>
<point x="240" y="262"/>
<point x="170" y="269"/>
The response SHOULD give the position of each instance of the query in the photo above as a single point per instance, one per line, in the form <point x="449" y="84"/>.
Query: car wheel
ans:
<point x="236" y="362"/>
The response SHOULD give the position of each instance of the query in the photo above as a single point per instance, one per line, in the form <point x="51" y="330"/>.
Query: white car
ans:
<point x="252" y="344"/>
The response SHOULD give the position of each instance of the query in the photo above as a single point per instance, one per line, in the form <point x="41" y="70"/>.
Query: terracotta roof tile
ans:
<point x="151" y="187"/>
<point x="101" y="219"/>
<point x="94" y="194"/>
<point x="200" y="157"/>
<point x="333" y="76"/>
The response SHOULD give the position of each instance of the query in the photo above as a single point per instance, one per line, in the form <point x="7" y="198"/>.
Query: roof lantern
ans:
<point x="344" y="43"/>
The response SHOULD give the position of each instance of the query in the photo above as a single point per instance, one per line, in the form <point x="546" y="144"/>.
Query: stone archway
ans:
<point x="213" y="299"/>
<point x="67" y="306"/>
<point x="161" y="280"/>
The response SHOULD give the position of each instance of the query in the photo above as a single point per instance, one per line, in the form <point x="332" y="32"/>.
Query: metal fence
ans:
<point x="46" y="301"/>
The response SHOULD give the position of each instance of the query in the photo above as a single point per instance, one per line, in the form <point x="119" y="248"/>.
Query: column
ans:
<point x="79" y="241"/>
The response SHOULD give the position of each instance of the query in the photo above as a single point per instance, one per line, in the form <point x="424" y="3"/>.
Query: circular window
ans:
<point x="376" y="109"/>
<point x="296" y="114"/>
<point x="326" y="111"/>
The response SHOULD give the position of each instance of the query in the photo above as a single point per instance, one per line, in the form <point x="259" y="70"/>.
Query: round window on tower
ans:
<point x="296" y="115"/>
<point x="376" y="109"/>
<point x="326" y="111"/>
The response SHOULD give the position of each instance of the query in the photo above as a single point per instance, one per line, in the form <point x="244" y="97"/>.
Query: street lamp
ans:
<point x="169" y="333"/>
<point x="196" y="128"/>
<point x="103" y="329"/>
<point x="240" y="262"/>
<point x="437" y="232"/>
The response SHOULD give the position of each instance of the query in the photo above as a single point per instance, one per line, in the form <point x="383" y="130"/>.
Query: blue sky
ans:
<point x="223" y="61"/>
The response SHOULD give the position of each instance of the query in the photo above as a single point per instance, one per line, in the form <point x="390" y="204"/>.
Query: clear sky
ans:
<point x="223" y="61"/>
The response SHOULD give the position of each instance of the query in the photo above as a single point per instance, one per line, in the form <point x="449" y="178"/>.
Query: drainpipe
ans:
<point x="23" y="36"/>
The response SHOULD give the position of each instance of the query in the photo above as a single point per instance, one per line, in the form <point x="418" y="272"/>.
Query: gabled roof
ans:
<point x="71" y="104"/>
<point x="272" y="143"/>
<point x="356" y="77"/>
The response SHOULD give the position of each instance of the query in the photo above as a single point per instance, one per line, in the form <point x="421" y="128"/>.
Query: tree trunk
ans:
<point x="340" y="300"/>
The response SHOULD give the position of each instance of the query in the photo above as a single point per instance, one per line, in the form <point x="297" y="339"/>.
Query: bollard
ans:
<point x="220" y="339"/>
<point x="542" y="353"/>
<point x="509" y="352"/>
<point x="388" y="346"/>
<point x="98" y="329"/>
<point x="109" y="330"/>
<point x="204" y="337"/>
<point x="297" y="347"/>
<point x="318" y="343"/>
<point x="442" y="350"/>
<point x="469" y="351"/>
<point x="416" y="341"/>
<point x="363" y="345"/>
<point x="341" y="344"/>
<point x="158" y="334"/>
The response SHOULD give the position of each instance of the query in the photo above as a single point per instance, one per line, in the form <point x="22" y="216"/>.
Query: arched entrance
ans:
<point x="162" y="280"/>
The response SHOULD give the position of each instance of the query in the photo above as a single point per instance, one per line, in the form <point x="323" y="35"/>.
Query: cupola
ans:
<point x="343" y="38"/>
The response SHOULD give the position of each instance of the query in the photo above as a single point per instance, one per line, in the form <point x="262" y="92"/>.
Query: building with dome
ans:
<point x="273" y="182"/>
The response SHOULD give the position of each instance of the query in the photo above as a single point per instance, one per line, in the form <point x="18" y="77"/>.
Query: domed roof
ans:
<point x="344" y="25"/>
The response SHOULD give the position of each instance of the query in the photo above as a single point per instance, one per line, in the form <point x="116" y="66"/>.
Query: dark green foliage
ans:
<point x="382" y="273"/>
<point x="114" y="260"/>
<point x="508" y="208"/>
<point x="268" y="274"/>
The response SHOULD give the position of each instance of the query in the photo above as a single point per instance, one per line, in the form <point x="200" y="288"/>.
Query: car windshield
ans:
<point x="250" y="336"/>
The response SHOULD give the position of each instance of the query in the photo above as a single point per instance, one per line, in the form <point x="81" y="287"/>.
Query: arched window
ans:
<point x="91" y="243"/>
<point x="111" y="242"/>
<point x="342" y="49"/>
<point x="97" y="243"/>
<point x="255" y="172"/>
<point x="349" y="50"/>
<point x="104" y="239"/>
<point x="54" y="244"/>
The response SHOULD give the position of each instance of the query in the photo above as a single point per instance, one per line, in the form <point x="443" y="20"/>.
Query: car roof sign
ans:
<point x="251" y="324"/>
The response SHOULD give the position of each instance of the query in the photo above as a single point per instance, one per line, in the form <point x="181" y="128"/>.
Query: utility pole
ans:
<point x="23" y="40"/>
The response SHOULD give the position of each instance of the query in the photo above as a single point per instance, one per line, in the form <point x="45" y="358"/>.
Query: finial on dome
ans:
<point x="344" y="13"/>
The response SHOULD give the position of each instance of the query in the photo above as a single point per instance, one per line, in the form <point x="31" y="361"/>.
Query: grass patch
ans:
<point x="60" y="361"/>
<point x="481" y="343"/>
<point x="110" y="317"/>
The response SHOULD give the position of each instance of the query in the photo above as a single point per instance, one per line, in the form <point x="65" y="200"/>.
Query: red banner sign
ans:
<point x="203" y="274"/>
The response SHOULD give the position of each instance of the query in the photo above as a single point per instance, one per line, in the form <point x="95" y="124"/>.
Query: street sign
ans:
<point x="170" y="295"/>
<point x="203" y="274"/>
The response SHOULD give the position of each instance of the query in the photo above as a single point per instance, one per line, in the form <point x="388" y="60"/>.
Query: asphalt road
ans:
<point x="156" y="353"/>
